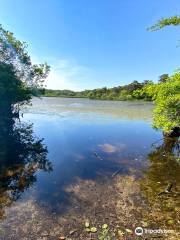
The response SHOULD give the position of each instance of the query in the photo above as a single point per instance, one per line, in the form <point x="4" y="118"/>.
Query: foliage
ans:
<point x="13" y="51"/>
<point x="19" y="78"/>
<point x="166" y="96"/>
<point x="105" y="233"/>
<point x="163" y="77"/>
<point x="12" y="89"/>
<point x="174" y="20"/>
<point x="116" y="93"/>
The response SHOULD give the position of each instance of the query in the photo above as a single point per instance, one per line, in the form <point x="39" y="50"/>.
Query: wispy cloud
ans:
<point x="66" y="74"/>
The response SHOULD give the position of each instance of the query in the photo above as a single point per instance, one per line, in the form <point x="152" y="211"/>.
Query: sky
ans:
<point x="95" y="43"/>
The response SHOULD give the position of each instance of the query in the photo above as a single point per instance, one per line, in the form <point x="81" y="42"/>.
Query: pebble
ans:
<point x="62" y="238"/>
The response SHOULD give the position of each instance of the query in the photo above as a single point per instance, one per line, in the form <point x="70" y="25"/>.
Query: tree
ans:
<point x="166" y="96"/>
<point x="146" y="82"/>
<point x="16" y="64"/>
<point x="164" y="22"/>
<point x="163" y="78"/>
<point x="12" y="89"/>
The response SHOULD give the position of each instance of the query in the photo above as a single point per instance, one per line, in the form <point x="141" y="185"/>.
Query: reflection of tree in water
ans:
<point x="161" y="182"/>
<point x="21" y="156"/>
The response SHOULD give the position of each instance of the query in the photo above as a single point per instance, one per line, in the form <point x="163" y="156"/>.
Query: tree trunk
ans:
<point x="174" y="133"/>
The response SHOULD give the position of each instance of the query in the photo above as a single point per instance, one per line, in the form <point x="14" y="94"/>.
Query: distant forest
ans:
<point x="126" y="92"/>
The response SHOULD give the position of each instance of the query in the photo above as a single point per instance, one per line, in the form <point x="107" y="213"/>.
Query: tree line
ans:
<point x="165" y="94"/>
<point x="126" y="92"/>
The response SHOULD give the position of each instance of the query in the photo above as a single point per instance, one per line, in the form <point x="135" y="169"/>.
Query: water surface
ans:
<point x="92" y="151"/>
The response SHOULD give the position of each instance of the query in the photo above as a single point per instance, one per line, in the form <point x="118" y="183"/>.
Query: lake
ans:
<point x="87" y="161"/>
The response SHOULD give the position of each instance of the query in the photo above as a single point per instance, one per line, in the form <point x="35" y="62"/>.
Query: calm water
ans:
<point x="83" y="140"/>
<point x="75" y="130"/>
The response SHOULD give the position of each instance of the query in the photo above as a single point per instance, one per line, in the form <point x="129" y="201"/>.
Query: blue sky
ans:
<point x="95" y="43"/>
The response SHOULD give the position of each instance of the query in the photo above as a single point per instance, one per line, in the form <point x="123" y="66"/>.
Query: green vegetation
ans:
<point x="105" y="233"/>
<point x="166" y="95"/>
<point x="19" y="78"/>
<point x="164" y="22"/>
<point x="12" y="89"/>
<point x="117" y="93"/>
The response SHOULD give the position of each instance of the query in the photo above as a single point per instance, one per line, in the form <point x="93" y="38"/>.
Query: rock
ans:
<point x="72" y="231"/>
<point x="128" y="230"/>
<point x="144" y="224"/>
<point x="87" y="224"/>
<point x="112" y="215"/>
<point x="177" y="209"/>
<point x="45" y="234"/>
<point x="62" y="238"/>
<point x="120" y="233"/>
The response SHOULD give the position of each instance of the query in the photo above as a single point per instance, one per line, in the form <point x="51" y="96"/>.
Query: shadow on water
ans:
<point x="21" y="156"/>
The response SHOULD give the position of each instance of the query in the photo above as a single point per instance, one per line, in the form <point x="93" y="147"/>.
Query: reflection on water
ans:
<point x="105" y="169"/>
<point x="87" y="145"/>
<point x="161" y="182"/>
<point x="21" y="156"/>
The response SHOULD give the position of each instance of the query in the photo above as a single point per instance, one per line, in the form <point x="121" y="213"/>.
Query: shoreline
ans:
<point x="104" y="99"/>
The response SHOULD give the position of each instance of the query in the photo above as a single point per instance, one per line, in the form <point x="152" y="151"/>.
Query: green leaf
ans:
<point x="170" y="221"/>
<point x="93" y="229"/>
<point x="88" y="230"/>
<point x="104" y="226"/>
